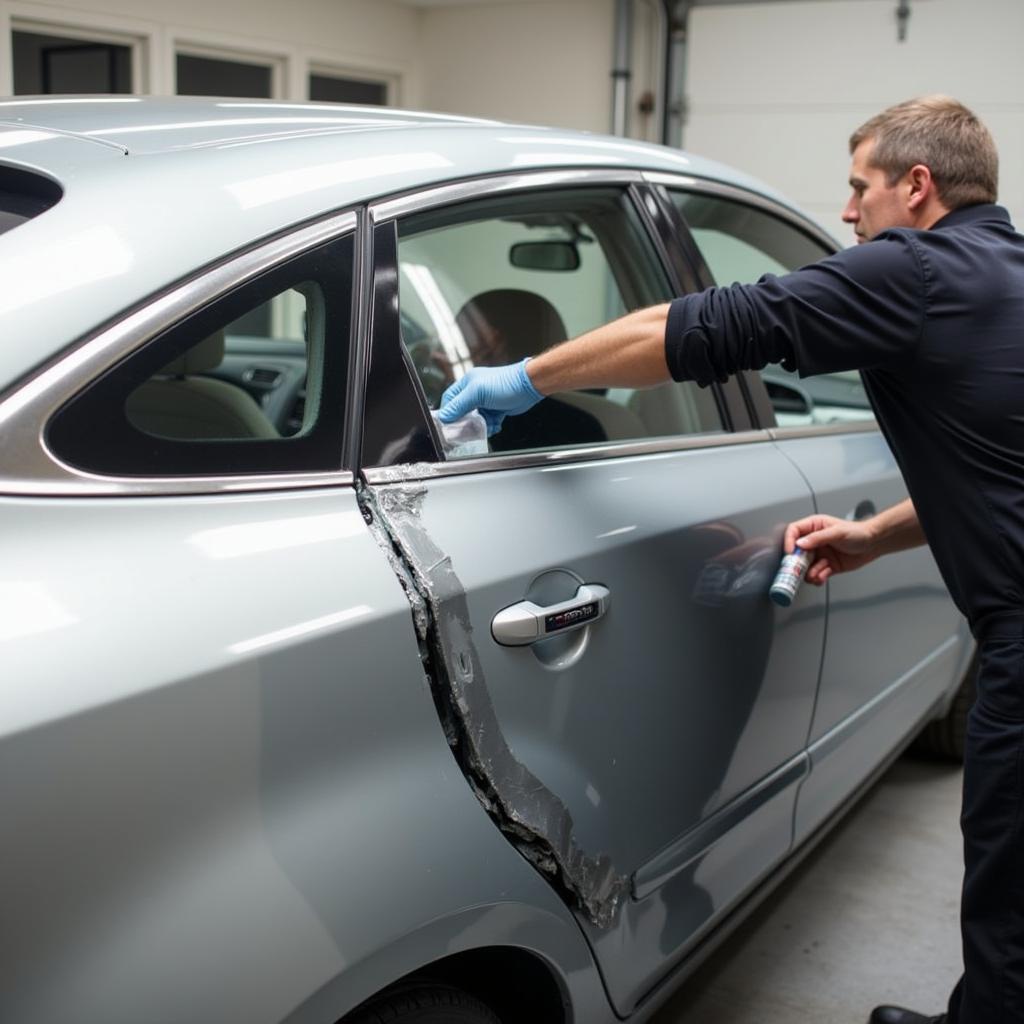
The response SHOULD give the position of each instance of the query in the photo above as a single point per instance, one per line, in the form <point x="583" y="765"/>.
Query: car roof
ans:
<point x="154" y="188"/>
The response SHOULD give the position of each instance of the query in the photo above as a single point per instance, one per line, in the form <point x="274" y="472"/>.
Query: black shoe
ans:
<point x="897" y="1015"/>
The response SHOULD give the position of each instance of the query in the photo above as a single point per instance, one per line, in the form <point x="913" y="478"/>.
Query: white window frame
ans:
<point x="230" y="48"/>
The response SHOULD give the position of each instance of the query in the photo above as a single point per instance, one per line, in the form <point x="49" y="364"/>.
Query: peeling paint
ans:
<point x="535" y="819"/>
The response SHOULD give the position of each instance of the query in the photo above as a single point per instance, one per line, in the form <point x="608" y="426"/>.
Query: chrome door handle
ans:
<point x="526" y="622"/>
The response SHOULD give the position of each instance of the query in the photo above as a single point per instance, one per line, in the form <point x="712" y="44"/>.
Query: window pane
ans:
<point x="203" y="396"/>
<point x="226" y="391"/>
<point x="741" y="243"/>
<point x="334" y="89"/>
<point x="492" y="282"/>
<point x="209" y="76"/>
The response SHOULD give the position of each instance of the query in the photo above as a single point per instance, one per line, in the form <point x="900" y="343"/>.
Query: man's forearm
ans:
<point x="895" y="529"/>
<point x="628" y="352"/>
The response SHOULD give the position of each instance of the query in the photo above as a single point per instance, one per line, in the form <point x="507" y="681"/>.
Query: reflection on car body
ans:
<point x="269" y="753"/>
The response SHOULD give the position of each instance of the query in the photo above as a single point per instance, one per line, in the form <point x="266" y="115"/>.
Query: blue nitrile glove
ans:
<point x="495" y="390"/>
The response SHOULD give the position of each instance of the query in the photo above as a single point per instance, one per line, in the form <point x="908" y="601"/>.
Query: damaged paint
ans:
<point x="535" y="819"/>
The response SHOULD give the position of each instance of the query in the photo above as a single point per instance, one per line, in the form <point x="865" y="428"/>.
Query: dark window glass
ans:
<point x="24" y="195"/>
<point x="493" y="281"/>
<point x="331" y="89"/>
<point x="741" y="243"/>
<point x="210" y="76"/>
<point x="58" y="64"/>
<point x="202" y="398"/>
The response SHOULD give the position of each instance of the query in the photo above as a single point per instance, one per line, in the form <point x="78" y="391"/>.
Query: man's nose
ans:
<point x="850" y="214"/>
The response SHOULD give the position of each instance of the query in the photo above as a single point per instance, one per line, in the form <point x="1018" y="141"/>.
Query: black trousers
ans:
<point x="991" y="990"/>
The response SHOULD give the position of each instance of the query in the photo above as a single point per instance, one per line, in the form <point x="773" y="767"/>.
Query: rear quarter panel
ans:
<point x="223" y="782"/>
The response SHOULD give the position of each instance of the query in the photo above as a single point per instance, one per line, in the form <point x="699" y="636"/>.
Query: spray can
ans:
<point x="789" y="577"/>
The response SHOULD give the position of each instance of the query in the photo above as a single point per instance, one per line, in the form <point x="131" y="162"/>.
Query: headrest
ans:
<point x="506" y="324"/>
<point x="207" y="355"/>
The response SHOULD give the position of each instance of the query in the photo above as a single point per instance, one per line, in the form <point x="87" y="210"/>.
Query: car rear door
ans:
<point x="895" y="641"/>
<point x="644" y="750"/>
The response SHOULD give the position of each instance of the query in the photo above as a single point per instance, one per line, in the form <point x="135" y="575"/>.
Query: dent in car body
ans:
<point x="537" y="821"/>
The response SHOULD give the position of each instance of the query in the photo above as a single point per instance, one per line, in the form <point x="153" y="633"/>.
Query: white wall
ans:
<point x="379" y="38"/>
<point x="539" y="61"/>
<point x="542" y="63"/>
<point x="776" y="88"/>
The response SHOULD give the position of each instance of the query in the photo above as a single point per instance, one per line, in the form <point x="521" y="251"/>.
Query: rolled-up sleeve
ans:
<point x="860" y="308"/>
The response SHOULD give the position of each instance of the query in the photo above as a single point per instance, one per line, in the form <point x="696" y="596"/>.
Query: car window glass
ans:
<point x="237" y="387"/>
<point x="741" y="243"/>
<point x="494" y="281"/>
<point x="214" y="391"/>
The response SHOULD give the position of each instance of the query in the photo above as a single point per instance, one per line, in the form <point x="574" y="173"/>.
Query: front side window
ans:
<point x="494" y="281"/>
<point x="252" y="383"/>
<point x="740" y="243"/>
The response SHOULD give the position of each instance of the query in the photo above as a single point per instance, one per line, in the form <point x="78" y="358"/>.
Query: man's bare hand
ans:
<point x="839" y="545"/>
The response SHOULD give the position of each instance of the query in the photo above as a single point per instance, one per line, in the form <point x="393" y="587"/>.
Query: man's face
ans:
<point x="874" y="205"/>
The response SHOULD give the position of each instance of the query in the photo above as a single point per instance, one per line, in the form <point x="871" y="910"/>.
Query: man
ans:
<point x="932" y="312"/>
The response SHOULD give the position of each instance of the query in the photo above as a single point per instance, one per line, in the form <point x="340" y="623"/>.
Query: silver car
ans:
<point x="310" y="712"/>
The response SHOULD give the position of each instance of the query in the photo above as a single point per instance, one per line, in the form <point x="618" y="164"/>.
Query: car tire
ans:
<point x="425" y="1004"/>
<point x="944" y="736"/>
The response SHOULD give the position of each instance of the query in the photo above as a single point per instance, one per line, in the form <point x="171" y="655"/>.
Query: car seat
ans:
<point x="504" y="325"/>
<point x="178" y="403"/>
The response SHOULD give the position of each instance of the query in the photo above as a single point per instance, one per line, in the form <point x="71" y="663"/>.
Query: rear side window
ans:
<point x="24" y="195"/>
<point x="253" y="383"/>
<point x="741" y="243"/>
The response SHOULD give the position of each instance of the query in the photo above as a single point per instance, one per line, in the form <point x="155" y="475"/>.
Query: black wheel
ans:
<point x="424" y="1004"/>
<point x="945" y="736"/>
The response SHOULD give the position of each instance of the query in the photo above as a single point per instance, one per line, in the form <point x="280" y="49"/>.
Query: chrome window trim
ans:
<point x="460" y="191"/>
<point x="87" y="485"/>
<point x="846" y="427"/>
<point x="29" y="467"/>
<point x="550" y="459"/>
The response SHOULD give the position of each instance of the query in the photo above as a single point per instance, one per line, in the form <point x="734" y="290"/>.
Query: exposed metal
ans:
<point x="28" y="466"/>
<point x="536" y="821"/>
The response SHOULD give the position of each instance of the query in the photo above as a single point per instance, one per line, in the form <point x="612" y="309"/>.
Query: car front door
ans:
<point x="591" y="591"/>
<point x="895" y="641"/>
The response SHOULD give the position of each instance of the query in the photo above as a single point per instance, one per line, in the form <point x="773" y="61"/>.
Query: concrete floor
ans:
<point x="870" y="917"/>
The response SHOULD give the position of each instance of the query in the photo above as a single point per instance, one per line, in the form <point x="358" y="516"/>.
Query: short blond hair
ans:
<point x="946" y="137"/>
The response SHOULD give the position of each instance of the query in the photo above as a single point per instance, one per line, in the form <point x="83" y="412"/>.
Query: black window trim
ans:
<point x="683" y="265"/>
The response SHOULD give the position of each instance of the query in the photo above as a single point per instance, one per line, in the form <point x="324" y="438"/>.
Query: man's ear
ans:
<point x="921" y="186"/>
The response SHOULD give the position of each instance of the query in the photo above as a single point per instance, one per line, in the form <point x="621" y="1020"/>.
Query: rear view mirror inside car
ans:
<point x="545" y="256"/>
